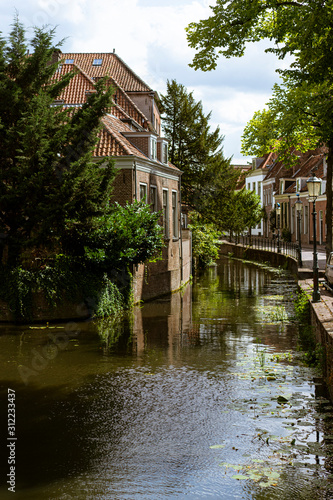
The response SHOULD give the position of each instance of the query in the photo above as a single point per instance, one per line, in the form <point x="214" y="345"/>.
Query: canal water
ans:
<point x="201" y="395"/>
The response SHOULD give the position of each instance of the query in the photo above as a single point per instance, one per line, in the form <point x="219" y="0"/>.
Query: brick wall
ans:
<point x="141" y="143"/>
<point x="123" y="187"/>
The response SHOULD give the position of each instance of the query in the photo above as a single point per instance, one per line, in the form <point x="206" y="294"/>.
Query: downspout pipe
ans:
<point x="135" y="183"/>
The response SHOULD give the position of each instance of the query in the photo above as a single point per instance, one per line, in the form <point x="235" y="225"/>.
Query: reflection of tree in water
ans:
<point x="116" y="332"/>
<point x="229" y="292"/>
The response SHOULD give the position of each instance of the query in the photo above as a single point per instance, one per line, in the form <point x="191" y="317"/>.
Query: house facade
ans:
<point x="284" y="185"/>
<point x="131" y="135"/>
<point x="254" y="182"/>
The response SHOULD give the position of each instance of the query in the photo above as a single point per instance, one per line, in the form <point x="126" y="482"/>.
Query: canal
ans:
<point x="201" y="395"/>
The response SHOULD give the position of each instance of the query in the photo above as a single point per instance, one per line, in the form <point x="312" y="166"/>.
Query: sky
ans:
<point x="149" y="35"/>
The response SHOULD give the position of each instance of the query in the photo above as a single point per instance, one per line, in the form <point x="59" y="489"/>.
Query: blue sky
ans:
<point x="149" y="35"/>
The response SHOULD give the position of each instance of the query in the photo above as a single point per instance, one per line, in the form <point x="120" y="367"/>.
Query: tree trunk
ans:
<point x="329" y="197"/>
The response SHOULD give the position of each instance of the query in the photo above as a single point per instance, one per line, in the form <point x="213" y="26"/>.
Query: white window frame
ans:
<point x="165" y="153"/>
<point x="165" y="208"/>
<point x="174" y="207"/>
<point x="306" y="219"/>
<point x="143" y="186"/>
<point x="153" y="148"/>
<point x="153" y="197"/>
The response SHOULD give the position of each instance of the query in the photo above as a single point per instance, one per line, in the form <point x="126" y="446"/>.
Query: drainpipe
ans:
<point x="135" y="183"/>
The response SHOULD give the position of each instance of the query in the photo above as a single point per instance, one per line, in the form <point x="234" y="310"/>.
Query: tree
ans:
<point x="208" y="179"/>
<point x="301" y="119"/>
<point x="302" y="29"/>
<point x="245" y="212"/>
<point x="205" y="242"/>
<point x="48" y="181"/>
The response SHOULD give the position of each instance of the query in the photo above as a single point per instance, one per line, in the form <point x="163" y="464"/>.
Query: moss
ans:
<point x="313" y="351"/>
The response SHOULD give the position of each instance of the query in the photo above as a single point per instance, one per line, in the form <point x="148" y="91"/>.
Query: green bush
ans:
<point x="204" y="242"/>
<point x="286" y="234"/>
<point x="65" y="279"/>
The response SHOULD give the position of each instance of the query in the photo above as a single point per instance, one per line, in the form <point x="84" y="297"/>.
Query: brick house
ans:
<point x="282" y="185"/>
<point x="131" y="135"/>
<point x="254" y="182"/>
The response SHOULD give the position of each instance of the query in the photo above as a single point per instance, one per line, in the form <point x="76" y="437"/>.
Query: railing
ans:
<point x="270" y="244"/>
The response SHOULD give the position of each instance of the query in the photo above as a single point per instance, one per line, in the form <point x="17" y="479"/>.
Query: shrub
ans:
<point x="204" y="242"/>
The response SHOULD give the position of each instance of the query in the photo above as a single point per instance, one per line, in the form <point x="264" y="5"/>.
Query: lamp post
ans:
<point x="298" y="205"/>
<point x="278" y="213"/>
<point x="314" y="187"/>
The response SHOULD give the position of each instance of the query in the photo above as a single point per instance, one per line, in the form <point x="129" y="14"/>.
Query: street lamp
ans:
<point x="278" y="213"/>
<point x="314" y="187"/>
<point x="298" y="205"/>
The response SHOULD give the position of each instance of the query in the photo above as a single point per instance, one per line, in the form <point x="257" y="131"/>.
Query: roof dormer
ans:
<point x="162" y="150"/>
<point x="146" y="142"/>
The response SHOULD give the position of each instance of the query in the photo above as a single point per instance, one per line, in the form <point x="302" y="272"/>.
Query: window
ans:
<point x="143" y="192"/>
<point x="306" y="219"/>
<point x="153" y="148"/>
<point x="174" y="215"/>
<point x="165" y="153"/>
<point x="97" y="62"/>
<point x="69" y="61"/>
<point x="153" y="198"/>
<point x="293" y="226"/>
<point x="166" y="212"/>
<point x="259" y="188"/>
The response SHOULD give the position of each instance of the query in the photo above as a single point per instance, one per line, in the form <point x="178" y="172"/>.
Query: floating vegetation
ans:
<point x="272" y="314"/>
<point x="257" y="471"/>
<point x="269" y="381"/>
<point x="274" y="297"/>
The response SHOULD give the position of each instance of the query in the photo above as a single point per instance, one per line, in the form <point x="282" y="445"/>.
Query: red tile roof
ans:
<point x="123" y="116"/>
<point x="111" y="65"/>
<point x="75" y="92"/>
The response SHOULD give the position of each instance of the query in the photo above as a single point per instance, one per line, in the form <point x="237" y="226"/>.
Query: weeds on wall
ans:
<point x="67" y="279"/>
<point x="313" y="351"/>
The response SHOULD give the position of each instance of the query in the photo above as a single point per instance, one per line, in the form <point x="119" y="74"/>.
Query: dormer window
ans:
<point x="153" y="148"/>
<point x="97" y="62"/>
<point x="164" y="153"/>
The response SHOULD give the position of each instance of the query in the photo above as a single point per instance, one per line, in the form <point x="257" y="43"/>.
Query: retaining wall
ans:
<point x="322" y="323"/>
<point x="250" y="253"/>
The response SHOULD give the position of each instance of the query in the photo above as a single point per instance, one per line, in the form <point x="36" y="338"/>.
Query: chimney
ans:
<point x="56" y="56"/>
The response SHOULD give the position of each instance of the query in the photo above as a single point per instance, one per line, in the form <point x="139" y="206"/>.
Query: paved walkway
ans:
<point x="307" y="257"/>
<point x="324" y="309"/>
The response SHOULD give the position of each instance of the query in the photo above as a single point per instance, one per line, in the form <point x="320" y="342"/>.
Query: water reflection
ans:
<point x="163" y="403"/>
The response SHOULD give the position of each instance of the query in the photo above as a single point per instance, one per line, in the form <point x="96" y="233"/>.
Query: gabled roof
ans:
<point x="112" y="142"/>
<point x="76" y="91"/>
<point x="111" y="65"/>
<point x="124" y="117"/>
<point x="314" y="161"/>
<point x="268" y="160"/>
<point x="305" y="163"/>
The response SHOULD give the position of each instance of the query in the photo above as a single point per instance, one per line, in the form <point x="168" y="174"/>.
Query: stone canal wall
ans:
<point x="322" y="323"/>
<point x="258" y="255"/>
